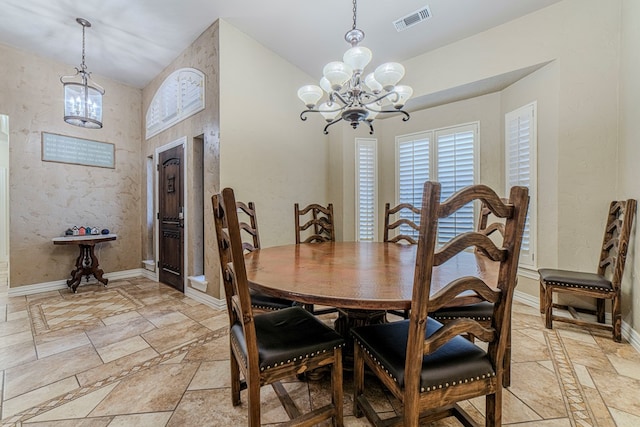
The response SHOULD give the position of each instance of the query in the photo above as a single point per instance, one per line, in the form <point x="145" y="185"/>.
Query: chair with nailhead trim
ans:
<point x="317" y="228"/>
<point x="269" y="347"/>
<point x="430" y="367"/>
<point x="603" y="285"/>
<point x="249" y="227"/>
<point x="481" y="311"/>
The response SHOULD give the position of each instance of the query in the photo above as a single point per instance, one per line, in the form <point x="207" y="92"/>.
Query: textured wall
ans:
<point x="46" y="198"/>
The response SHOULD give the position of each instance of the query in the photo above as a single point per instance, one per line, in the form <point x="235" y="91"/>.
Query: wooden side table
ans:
<point x="87" y="262"/>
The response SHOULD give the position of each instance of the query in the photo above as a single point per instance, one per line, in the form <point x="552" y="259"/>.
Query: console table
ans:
<point x="87" y="262"/>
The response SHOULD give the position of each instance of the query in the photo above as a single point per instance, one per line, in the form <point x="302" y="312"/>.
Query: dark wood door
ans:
<point x="171" y="218"/>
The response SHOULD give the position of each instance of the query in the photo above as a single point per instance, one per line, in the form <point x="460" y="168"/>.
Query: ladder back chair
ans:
<point x="317" y="228"/>
<point x="400" y="238"/>
<point x="269" y="347"/>
<point x="603" y="285"/>
<point x="482" y="311"/>
<point x="402" y="208"/>
<point x="428" y="366"/>
<point x="248" y="221"/>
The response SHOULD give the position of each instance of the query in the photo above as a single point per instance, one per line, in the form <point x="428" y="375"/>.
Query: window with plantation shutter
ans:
<point x="413" y="164"/>
<point x="444" y="155"/>
<point x="456" y="169"/>
<point x="366" y="189"/>
<point x="521" y="143"/>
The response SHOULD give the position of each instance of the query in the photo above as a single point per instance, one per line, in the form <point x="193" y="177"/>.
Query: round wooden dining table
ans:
<point x="355" y="275"/>
<point x="364" y="280"/>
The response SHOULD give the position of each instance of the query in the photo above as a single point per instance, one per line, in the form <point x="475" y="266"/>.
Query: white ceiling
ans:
<point x="131" y="41"/>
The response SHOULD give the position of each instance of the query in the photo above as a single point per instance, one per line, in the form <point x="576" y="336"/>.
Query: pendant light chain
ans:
<point x="355" y="9"/>
<point x="83" y="66"/>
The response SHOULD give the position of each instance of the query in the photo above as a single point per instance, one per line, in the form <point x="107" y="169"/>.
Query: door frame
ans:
<point x="156" y="197"/>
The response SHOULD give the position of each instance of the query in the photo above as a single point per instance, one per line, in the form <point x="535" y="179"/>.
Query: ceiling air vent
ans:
<point x="412" y="19"/>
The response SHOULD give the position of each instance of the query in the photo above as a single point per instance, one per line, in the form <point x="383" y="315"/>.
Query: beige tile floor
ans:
<point x="139" y="353"/>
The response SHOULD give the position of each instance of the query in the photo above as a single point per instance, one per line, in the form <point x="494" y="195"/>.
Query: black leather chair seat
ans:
<point x="266" y="302"/>
<point x="457" y="361"/>
<point x="288" y="335"/>
<point x="574" y="279"/>
<point x="482" y="311"/>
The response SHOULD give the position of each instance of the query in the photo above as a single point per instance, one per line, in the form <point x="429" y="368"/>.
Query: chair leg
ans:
<point x="253" y="402"/>
<point x="506" y="364"/>
<point x="336" y="387"/>
<point x="235" y="380"/>
<point x="358" y="379"/>
<point x="493" y="411"/>
<point x="600" y="310"/>
<point x="542" y="297"/>
<point x="616" y="314"/>
<point x="548" y="307"/>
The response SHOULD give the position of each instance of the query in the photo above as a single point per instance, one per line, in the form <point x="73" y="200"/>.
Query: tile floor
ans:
<point x="139" y="353"/>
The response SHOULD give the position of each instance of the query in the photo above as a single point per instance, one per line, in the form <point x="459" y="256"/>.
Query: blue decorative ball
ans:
<point x="105" y="231"/>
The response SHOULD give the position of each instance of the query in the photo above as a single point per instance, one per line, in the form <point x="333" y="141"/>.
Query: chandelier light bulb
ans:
<point x="373" y="110"/>
<point x="403" y="94"/>
<point x="310" y="95"/>
<point x="358" y="57"/>
<point x="389" y="74"/>
<point x="372" y="83"/>
<point x="329" y="112"/>
<point x="338" y="73"/>
<point x="325" y="85"/>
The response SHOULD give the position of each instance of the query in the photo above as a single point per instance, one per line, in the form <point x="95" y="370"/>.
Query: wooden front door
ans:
<point x="171" y="217"/>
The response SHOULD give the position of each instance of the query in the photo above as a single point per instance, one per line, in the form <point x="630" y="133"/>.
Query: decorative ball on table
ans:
<point x="105" y="231"/>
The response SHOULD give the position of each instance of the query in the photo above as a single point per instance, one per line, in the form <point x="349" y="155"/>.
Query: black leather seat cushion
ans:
<point x="574" y="279"/>
<point x="480" y="311"/>
<point x="287" y="335"/>
<point x="267" y="302"/>
<point x="457" y="361"/>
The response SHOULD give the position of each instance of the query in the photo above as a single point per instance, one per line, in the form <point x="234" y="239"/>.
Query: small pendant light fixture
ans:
<point x="82" y="96"/>
<point x="353" y="97"/>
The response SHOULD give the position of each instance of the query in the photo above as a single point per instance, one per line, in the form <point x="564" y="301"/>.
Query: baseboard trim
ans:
<point x="62" y="284"/>
<point x="205" y="299"/>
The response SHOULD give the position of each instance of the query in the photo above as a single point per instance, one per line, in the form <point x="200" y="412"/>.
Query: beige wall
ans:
<point x="267" y="154"/>
<point x="47" y="198"/>
<point x="203" y="55"/>
<point x="629" y="155"/>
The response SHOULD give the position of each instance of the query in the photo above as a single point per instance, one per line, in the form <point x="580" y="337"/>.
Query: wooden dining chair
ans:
<point x="248" y="221"/>
<point x="403" y="210"/>
<point x="481" y="312"/>
<point x="269" y="347"/>
<point x="428" y="366"/>
<point x="603" y="285"/>
<point x="317" y="227"/>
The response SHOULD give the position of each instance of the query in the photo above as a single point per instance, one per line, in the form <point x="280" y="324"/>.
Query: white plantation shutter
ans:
<point x="366" y="189"/>
<point x="444" y="155"/>
<point x="520" y="138"/>
<point x="413" y="170"/>
<point x="456" y="170"/>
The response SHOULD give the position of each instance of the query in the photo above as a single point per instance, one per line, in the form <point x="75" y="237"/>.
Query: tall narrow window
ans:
<point x="521" y="143"/>
<point x="444" y="155"/>
<point x="366" y="189"/>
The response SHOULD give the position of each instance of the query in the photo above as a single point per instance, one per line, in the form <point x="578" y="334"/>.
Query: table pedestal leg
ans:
<point x="86" y="265"/>
<point x="352" y="318"/>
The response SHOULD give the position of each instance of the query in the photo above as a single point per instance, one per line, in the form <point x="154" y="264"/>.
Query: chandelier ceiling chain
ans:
<point x="351" y="97"/>
<point x="82" y="96"/>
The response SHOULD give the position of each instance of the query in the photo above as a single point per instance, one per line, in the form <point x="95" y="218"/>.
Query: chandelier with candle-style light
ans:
<point x="82" y="96"/>
<point x="351" y="97"/>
